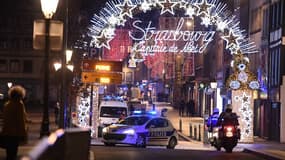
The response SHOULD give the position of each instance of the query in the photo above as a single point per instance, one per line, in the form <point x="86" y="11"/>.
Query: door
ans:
<point x="274" y="133"/>
<point x="157" y="132"/>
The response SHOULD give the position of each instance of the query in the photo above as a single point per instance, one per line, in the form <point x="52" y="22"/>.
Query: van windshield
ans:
<point x="115" y="112"/>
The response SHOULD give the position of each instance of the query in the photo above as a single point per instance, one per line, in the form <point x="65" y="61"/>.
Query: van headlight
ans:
<point x="129" y="131"/>
<point x="104" y="130"/>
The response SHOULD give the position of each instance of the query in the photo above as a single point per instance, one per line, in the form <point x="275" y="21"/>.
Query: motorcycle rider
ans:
<point x="228" y="132"/>
<point x="228" y="117"/>
<point x="213" y="120"/>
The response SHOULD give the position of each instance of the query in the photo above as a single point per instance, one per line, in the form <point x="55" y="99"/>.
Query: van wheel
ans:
<point x="172" y="143"/>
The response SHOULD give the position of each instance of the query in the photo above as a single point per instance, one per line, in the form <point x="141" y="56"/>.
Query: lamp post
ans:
<point x="48" y="9"/>
<point x="64" y="104"/>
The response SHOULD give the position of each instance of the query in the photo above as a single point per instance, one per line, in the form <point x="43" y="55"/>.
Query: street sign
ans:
<point x="56" y="35"/>
<point x="103" y="78"/>
<point x="105" y="66"/>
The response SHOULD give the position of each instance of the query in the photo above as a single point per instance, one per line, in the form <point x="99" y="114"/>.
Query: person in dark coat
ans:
<point x="14" y="121"/>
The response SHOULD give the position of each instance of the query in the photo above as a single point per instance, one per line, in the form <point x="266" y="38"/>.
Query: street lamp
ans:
<point x="9" y="84"/>
<point x="68" y="55"/>
<point x="48" y="9"/>
<point x="63" y="70"/>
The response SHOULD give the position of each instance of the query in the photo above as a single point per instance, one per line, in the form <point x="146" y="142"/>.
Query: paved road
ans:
<point x="132" y="153"/>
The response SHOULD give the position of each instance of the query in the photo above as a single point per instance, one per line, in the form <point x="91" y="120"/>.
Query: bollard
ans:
<point x="180" y="125"/>
<point x="195" y="132"/>
<point x="190" y="130"/>
<point x="199" y="136"/>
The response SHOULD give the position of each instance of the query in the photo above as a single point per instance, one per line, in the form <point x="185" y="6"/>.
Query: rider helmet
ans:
<point x="216" y="110"/>
<point x="229" y="107"/>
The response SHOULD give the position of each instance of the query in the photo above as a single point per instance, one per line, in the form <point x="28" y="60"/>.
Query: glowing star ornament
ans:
<point x="109" y="32"/>
<point x="231" y="39"/>
<point x="145" y="6"/>
<point x="126" y="8"/>
<point x="190" y="11"/>
<point x="113" y="21"/>
<point x="167" y="6"/>
<point x="121" y="21"/>
<point x="103" y="41"/>
<point x="206" y="21"/>
<point x="221" y="25"/>
<point x="204" y="7"/>
<point x="183" y="4"/>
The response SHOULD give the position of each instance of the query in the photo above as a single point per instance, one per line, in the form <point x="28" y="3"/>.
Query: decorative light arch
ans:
<point x="211" y="12"/>
<point x="115" y="13"/>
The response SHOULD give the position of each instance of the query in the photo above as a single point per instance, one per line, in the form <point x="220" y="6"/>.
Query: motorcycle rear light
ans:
<point x="229" y="129"/>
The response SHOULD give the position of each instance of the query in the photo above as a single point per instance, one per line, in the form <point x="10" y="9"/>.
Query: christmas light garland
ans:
<point x="117" y="12"/>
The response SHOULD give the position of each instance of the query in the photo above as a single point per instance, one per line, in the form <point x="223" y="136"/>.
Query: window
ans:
<point x="135" y="121"/>
<point x="27" y="43"/>
<point x="14" y="66"/>
<point x="113" y="112"/>
<point x="157" y="123"/>
<point x="265" y="28"/>
<point x="28" y="66"/>
<point x="3" y="65"/>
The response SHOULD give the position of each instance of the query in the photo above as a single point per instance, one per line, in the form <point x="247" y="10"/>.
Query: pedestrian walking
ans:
<point x="181" y="108"/>
<point x="14" y="130"/>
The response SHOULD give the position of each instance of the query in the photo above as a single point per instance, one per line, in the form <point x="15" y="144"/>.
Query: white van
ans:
<point x="111" y="111"/>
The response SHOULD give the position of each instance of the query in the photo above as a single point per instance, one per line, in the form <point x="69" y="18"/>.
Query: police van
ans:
<point x="141" y="131"/>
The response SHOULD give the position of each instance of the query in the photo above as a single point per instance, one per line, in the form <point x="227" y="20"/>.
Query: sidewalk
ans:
<point x="266" y="149"/>
<point x="35" y="115"/>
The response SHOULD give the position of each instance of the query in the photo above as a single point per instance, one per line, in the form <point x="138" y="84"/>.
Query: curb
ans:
<point x="261" y="154"/>
<point x="184" y="137"/>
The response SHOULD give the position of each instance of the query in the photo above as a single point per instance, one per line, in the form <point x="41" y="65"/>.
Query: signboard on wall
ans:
<point x="97" y="65"/>
<point x="103" y="78"/>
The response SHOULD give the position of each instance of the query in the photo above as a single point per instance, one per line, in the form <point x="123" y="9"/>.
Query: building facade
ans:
<point x="20" y="63"/>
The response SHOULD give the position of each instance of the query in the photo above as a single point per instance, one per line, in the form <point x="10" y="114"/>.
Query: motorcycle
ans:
<point x="225" y="136"/>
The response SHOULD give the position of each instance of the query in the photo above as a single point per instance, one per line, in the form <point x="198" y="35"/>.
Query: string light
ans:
<point x="215" y="13"/>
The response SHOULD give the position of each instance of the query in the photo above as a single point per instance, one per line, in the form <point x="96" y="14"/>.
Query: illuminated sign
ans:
<point x="105" y="80"/>
<point x="96" y="65"/>
<point x="169" y="40"/>
<point x="96" y="77"/>
<point x="103" y="67"/>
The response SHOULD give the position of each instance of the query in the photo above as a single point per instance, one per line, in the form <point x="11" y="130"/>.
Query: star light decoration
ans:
<point x="83" y="110"/>
<point x="126" y="8"/>
<point x="117" y="12"/>
<point x="231" y="40"/>
<point x="167" y="6"/>
<point x="103" y="40"/>
<point x="246" y="114"/>
<point x="204" y="7"/>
